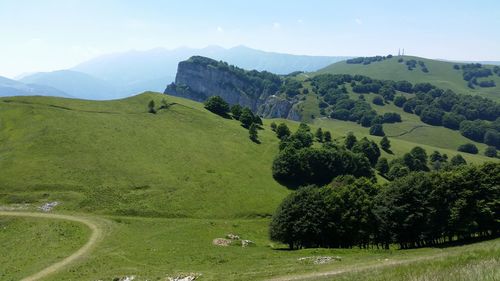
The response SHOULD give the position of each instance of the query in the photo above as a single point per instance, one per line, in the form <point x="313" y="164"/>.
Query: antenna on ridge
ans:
<point x="403" y="51"/>
<point x="399" y="52"/>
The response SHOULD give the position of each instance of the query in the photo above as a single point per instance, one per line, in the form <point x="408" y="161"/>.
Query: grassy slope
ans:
<point x="112" y="157"/>
<point x="154" y="248"/>
<point x="29" y="245"/>
<point x="440" y="73"/>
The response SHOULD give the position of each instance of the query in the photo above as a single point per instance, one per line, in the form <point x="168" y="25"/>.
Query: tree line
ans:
<point x="419" y="209"/>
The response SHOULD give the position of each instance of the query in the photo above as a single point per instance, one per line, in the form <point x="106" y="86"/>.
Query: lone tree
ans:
<point x="246" y="118"/>
<point x="327" y="136"/>
<point x="457" y="160"/>
<point x="217" y="105"/>
<point x="253" y="134"/>
<point x="151" y="107"/>
<point x="273" y="126"/>
<point x="282" y="131"/>
<point x="382" y="165"/>
<point x="350" y="140"/>
<point x="236" y="111"/>
<point x="377" y="130"/>
<point x="385" y="144"/>
<point x="491" y="151"/>
<point x="319" y="135"/>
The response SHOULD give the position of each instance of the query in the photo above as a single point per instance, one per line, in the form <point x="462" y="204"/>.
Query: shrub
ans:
<point x="490" y="152"/>
<point x="378" y="100"/>
<point x="377" y="130"/>
<point x="469" y="148"/>
<point x="217" y="105"/>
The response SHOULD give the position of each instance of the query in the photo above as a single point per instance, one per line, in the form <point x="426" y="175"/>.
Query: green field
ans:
<point x="29" y="245"/>
<point x="162" y="187"/>
<point x="441" y="74"/>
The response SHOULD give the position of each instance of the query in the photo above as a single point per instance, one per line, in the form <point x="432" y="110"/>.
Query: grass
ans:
<point x="441" y="74"/>
<point x="114" y="158"/>
<point x="472" y="263"/>
<point x="29" y="245"/>
<point x="154" y="248"/>
<point x="168" y="183"/>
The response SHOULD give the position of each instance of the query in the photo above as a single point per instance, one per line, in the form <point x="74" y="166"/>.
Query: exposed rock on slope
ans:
<point x="199" y="78"/>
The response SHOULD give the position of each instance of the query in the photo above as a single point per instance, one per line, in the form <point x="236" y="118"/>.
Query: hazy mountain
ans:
<point x="136" y="71"/>
<point x="9" y="87"/>
<point x="75" y="83"/>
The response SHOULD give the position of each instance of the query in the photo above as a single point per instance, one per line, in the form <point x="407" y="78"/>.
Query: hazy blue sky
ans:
<point x="41" y="35"/>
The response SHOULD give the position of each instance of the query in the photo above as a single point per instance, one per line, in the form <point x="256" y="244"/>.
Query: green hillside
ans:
<point x="113" y="157"/>
<point x="440" y="73"/>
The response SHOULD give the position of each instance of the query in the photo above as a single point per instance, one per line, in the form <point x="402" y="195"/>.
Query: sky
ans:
<point x="46" y="35"/>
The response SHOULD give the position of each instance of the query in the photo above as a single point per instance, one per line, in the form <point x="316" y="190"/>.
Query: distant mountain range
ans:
<point x="9" y="87"/>
<point x="124" y="74"/>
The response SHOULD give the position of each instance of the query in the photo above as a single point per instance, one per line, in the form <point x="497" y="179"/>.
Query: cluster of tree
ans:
<point x="367" y="60"/>
<point x="496" y="70"/>
<point x="342" y="107"/>
<point x="417" y="160"/>
<point x="298" y="163"/>
<point x="468" y="148"/>
<point x="464" y="112"/>
<point x="291" y="87"/>
<point x="152" y="106"/>
<point x="412" y="64"/>
<point x="472" y="71"/>
<point x="248" y="120"/>
<point x="420" y="209"/>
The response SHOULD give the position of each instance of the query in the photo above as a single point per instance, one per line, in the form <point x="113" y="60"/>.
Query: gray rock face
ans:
<point x="197" y="81"/>
<point x="277" y="107"/>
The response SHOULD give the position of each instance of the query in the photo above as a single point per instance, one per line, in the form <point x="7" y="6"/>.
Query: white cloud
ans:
<point x="358" y="21"/>
<point x="276" y="25"/>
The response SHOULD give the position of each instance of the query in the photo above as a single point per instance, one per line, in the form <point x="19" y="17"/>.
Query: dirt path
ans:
<point x="354" y="268"/>
<point x="409" y="131"/>
<point x="95" y="236"/>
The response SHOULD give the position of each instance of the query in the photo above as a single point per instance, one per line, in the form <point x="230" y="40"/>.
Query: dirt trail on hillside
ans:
<point x="95" y="236"/>
<point x="354" y="268"/>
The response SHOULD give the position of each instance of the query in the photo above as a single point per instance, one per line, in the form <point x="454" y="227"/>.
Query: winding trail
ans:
<point x="409" y="131"/>
<point x="95" y="236"/>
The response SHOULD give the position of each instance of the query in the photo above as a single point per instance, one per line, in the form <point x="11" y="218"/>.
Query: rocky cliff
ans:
<point x="199" y="78"/>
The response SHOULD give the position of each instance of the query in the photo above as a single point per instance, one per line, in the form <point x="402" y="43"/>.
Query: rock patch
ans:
<point x="320" y="260"/>
<point x="47" y="207"/>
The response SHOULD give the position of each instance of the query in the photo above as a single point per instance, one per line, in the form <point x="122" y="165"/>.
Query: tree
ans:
<point x="246" y="117"/>
<point x="457" y="160"/>
<point x="253" y="134"/>
<point x="452" y="120"/>
<point x="257" y="120"/>
<point x="416" y="159"/>
<point x="432" y="115"/>
<point x="468" y="148"/>
<point x="236" y="111"/>
<point x="273" y="126"/>
<point x="490" y="151"/>
<point x="217" y="105"/>
<point x="319" y="135"/>
<point x="397" y="170"/>
<point x="350" y="140"/>
<point x="368" y="148"/>
<point x="382" y="165"/>
<point x="385" y="144"/>
<point x="299" y="219"/>
<point x="377" y="130"/>
<point x="399" y="101"/>
<point x="492" y="138"/>
<point x="327" y="136"/>
<point x="151" y="107"/>
<point x="282" y="131"/>
<point x="378" y="100"/>
<point x="164" y="104"/>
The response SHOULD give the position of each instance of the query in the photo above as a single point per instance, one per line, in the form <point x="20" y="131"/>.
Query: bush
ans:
<point x="217" y="105"/>
<point x="399" y="101"/>
<point x="469" y="148"/>
<point x="247" y="118"/>
<point x="282" y="131"/>
<point x="377" y="130"/>
<point x="299" y="219"/>
<point x="382" y="166"/>
<point x="151" y="107"/>
<point x="490" y="152"/>
<point x="378" y="100"/>
<point x="385" y="144"/>
<point x="368" y="148"/>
